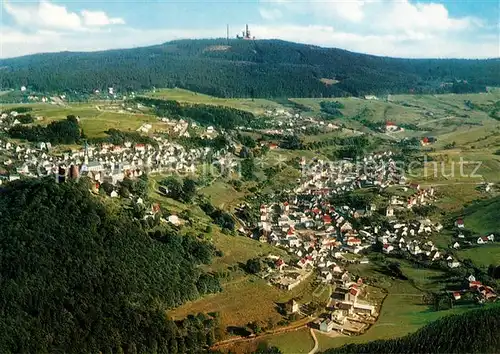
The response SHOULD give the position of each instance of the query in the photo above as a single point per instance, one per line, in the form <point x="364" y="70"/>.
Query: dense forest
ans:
<point x="59" y="132"/>
<point x="78" y="278"/>
<point x="473" y="332"/>
<point x="219" y="116"/>
<point x="263" y="68"/>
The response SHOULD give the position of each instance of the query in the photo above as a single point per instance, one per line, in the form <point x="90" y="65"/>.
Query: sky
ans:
<point x="399" y="28"/>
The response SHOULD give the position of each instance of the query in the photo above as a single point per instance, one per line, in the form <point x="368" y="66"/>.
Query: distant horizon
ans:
<point x="224" y="39"/>
<point x="425" y="29"/>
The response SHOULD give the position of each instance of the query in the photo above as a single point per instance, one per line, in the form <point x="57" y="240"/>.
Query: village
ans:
<point x="104" y="162"/>
<point x="319" y="229"/>
<point x="322" y="236"/>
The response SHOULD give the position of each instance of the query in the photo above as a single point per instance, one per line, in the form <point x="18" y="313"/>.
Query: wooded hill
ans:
<point x="76" y="277"/>
<point x="476" y="331"/>
<point x="263" y="68"/>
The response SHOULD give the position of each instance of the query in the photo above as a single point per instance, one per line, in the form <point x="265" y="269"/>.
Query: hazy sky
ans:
<point x="403" y="28"/>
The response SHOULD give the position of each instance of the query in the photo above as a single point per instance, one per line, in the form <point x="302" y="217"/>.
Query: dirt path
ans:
<point x="316" y="345"/>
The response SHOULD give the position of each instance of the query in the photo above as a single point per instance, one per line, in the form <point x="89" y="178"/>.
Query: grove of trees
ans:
<point x="78" y="278"/>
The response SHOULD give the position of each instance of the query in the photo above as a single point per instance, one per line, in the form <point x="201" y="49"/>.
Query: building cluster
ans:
<point x="103" y="162"/>
<point x="321" y="234"/>
<point x="312" y="225"/>
<point x="482" y="293"/>
<point x="347" y="312"/>
<point x="282" y="122"/>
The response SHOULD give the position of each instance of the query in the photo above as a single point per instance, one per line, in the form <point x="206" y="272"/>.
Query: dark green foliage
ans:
<point x="219" y="116"/>
<point x="247" y="140"/>
<point x="118" y="137"/>
<point x="59" y="132"/>
<point x="25" y="118"/>
<point x="216" y="144"/>
<point x="253" y="266"/>
<point x="263" y="68"/>
<point x="425" y="210"/>
<point x="188" y="190"/>
<point x="473" y="332"/>
<point x="106" y="187"/>
<point x="183" y="191"/>
<point x="292" y="142"/>
<point x="248" y="169"/>
<point x="75" y="278"/>
<point x="331" y="108"/>
<point x="494" y="271"/>
<point x="19" y="109"/>
<point x="223" y="219"/>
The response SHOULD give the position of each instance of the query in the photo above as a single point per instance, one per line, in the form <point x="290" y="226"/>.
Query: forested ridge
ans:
<point x="263" y="68"/>
<point x="77" y="278"/>
<point x="476" y="331"/>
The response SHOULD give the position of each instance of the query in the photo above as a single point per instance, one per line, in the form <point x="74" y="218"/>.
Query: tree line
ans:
<point x="59" y="132"/>
<point x="218" y="116"/>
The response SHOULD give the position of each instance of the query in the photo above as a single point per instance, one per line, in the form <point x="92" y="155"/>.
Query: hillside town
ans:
<point x="321" y="230"/>
<point x="322" y="236"/>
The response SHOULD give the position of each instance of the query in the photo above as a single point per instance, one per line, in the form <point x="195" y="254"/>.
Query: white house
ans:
<point x="388" y="248"/>
<point x="173" y="219"/>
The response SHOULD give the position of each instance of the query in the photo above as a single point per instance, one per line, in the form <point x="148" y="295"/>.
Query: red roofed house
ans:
<point x="353" y="293"/>
<point x="155" y="208"/>
<point x="474" y="284"/>
<point x="280" y="264"/>
<point x="353" y="241"/>
<point x="327" y="219"/>
<point x="387" y="248"/>
<point x="391" y="127"/>
<point x="140" y="147"/>
<point x="482" y="240"/>
<point x="460" y="223"/>
<point x="456" y="295"/>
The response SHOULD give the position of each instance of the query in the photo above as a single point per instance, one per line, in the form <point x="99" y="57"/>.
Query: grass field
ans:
<point x="296" y="342"/>
<point x="443" y="116"/>
<point x="239" y="249"/>
<point x="483" y="255"/>
<point x="222" y="194"/>
<point x="483" y="217"/>
<point x="423" y="278"/>
<point x="257" y="106"/>
<point x="93" y="120"/>
<point x="244" y="299"/>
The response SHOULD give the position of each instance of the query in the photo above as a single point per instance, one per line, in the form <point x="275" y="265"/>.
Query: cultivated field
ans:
<point x="95" y="118"/>
<point x="483" y="217"/>
<point x="483" y="255"/>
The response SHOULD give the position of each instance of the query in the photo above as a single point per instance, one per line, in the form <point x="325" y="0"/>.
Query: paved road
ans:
<point x="313" y="335"/>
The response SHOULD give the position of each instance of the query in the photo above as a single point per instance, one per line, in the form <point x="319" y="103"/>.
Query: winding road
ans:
<point x="315" y="348"/>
